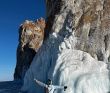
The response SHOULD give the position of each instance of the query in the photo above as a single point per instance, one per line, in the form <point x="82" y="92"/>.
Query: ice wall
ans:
<point x="58" y="60"/>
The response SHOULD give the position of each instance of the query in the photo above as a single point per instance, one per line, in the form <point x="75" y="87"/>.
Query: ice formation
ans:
<point x="57" y="59"/>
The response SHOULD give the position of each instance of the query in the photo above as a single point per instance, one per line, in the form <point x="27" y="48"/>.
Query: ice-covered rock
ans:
<point x="90" y="21"/>
<point x="76" y="47"/>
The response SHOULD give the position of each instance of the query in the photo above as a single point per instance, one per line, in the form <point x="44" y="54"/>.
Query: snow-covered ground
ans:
<point x="10" y="87"/>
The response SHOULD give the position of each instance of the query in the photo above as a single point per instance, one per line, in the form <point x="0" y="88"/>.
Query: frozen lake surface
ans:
<point x="10" y="87"/>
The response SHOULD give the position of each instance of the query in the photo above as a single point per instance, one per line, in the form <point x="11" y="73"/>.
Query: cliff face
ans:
<point x="90" y="21"/>
<point x="75" y="49"/>
<point x="30" y="40"/>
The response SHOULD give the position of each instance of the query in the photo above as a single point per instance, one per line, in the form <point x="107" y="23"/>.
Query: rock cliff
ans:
<point x="31" y="36"/>
<point x="76" y="47"/>
<point x="90" y="21"/>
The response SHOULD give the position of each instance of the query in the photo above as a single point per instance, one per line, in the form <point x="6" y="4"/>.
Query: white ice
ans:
<point x="67" y="66"/>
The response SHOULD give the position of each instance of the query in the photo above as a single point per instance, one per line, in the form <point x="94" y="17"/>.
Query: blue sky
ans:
<point x="12" y="14"/>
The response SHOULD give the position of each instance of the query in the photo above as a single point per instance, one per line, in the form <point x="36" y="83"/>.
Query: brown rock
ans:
<point x="31" y="36"/>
